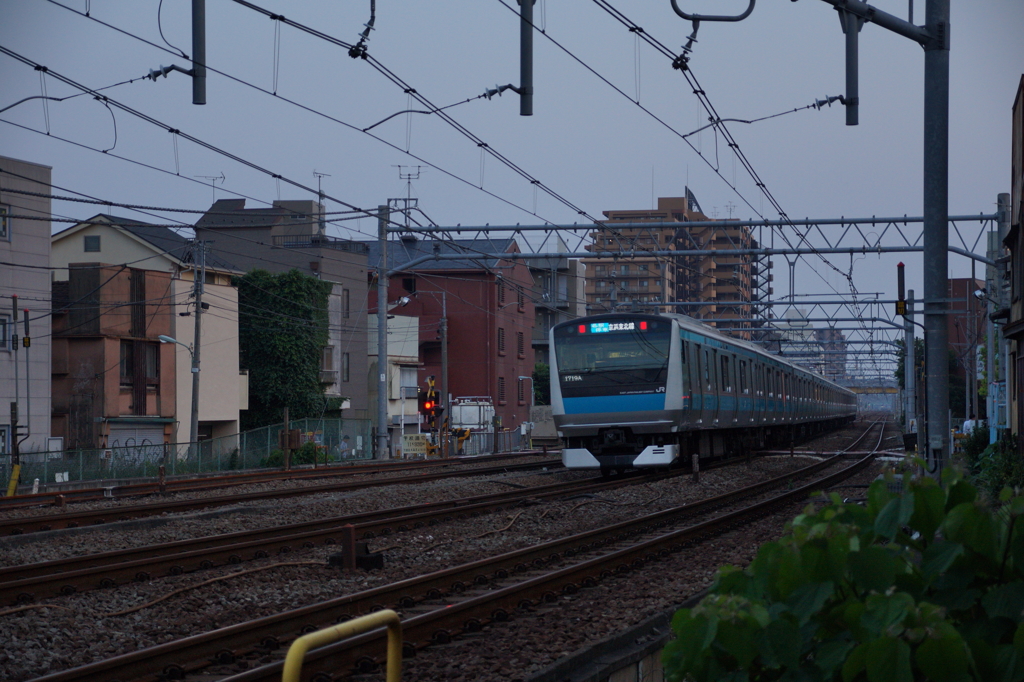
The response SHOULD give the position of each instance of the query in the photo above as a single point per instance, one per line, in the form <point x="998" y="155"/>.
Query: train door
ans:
<point x="727" y="386"/>
<point x="715" y="387"/>
<point x="685" y="370"/>
<point x="759" y="398"/>
<point x="699" y="390"/>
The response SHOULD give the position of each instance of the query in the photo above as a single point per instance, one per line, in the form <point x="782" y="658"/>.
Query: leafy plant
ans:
<point x="282" y="330"/>
<point x="927" y="584"/>
<point x="996" y="466"/>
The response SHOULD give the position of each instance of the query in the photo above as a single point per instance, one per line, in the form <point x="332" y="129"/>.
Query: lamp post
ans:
<point x="193" y="435"/>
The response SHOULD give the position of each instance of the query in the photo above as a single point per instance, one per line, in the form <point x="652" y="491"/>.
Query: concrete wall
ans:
<point x="219" y="379"/>
<point x="26" y="243"/>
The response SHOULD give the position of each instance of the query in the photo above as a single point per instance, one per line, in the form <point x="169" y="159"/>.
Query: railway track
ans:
<point x="220" y="481"/>
<point x="76" y="519"/>
<point x="444" y="604"/>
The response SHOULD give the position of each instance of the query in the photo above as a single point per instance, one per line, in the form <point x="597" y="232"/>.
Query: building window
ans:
<point x="127" y="363"/>
<point x="501" y="340"/>
<point x="521" y="392"/>
<point x="501" y="390"/>
<point x="5" y="230"/>
<point x="345" y="309"/>
<point x="624" y="269"/>
<point x="501" y="292"/>
<point x="327" y="362"/>
<point x="520" y="344"/>
<point x="520" y="298"/>
<point x="5" y="332"/>
<point x="91" y="242"/>
<point x="409" y="284"/>
<point x="344" y="367"/>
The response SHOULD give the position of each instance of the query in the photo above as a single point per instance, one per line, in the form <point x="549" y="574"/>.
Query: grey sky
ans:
<point x="586" y="142"/>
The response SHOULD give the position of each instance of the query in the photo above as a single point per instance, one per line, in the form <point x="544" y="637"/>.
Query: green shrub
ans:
<point x="996" y="466"/>
<point x="923" y="585"/>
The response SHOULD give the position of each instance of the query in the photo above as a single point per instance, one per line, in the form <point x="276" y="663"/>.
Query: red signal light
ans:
<point x="583" y="329"/>
<point x="428" y="405"/>
<point x="643" y="325"/>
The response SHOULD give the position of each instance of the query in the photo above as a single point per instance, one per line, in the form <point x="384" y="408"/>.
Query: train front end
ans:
<point x="611" y="391"/>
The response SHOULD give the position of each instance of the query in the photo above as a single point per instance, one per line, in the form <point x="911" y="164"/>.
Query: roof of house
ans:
<point x="162" y="239"/>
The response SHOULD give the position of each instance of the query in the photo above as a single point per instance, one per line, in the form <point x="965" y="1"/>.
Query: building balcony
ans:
<point x="328" y="376"/>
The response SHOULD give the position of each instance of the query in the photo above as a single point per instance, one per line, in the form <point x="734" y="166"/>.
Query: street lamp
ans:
<point x="193" y="436"/>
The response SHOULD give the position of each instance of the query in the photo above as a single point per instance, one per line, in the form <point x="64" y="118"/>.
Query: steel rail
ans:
<point x="213" y="482"/>
<point x="29" y="524"/>
<point x="26" y="583"/>
<point x="175" y="659"/>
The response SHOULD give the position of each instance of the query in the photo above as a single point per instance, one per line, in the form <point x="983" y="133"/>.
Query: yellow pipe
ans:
<point x="297" y="652"/>
<point x="12" y="487"/>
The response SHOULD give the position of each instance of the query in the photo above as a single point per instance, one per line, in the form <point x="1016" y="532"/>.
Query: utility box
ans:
<point x="473" y="412"/>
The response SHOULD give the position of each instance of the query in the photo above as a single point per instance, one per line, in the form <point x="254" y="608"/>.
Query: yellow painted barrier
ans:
<point x="12" y="487"/>
<point x="300" y="647"/>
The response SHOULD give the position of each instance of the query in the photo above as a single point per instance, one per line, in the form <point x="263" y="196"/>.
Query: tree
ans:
<point x="542" y="384"/>
<point x="282" y="331"/>
<point x="957" y="385"/>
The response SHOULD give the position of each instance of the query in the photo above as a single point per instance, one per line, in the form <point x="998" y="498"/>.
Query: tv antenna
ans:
<point x="213" y="179"/>
<point x="730" y="208"/>
<point x="409" y="176"/>
<point x="319" y="189"/>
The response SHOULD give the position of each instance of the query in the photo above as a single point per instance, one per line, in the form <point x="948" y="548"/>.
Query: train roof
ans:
<point x="694" y="325"/>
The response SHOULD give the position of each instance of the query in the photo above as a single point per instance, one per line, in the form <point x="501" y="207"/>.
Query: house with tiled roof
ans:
<point x="119" y="285"/>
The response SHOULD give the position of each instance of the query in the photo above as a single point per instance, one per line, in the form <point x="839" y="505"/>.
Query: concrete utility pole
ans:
<point x="910" y="365"/>
<point x="445" y="400"/>
<point x="198" y="286"/>
<point x="198" y="52"/>
<point x="383" y="217"/>
<point x="526" y="57"/>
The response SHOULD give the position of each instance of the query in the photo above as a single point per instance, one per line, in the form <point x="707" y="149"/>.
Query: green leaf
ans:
<point x="929" y="511"/>
<point x="1005" y="601"/>
<point x="888" y="660"/>
<point x="807" y="600"/>
<point x="855" y="662"/>
<point x="943" y="660"/>
<point x="872" y="568"/>
<point x="939" y="556"/>
<point x="883" y="612"/>
<point x="968" y="524"/>
<point x="779" y="644"/>
<point x="738" y="640"/>
<point x="829" y="656"/>
<point x="960" y="492"/>
<point x="894" y="515"/>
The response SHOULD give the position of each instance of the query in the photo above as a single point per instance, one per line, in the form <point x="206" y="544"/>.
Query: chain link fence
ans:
<point x="336" y="440"/>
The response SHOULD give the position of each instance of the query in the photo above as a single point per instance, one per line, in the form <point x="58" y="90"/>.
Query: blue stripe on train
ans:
<point x="615" y="403"/>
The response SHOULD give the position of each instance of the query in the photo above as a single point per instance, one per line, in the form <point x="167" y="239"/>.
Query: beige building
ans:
<point x="724" y="284"/>
<point x="24" y="257"/>
<point x="223" y="389"/>
<point x="402" y="372"/>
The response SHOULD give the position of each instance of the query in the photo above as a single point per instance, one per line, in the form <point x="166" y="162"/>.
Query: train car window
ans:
<point x="726" y="379"/>
<point x="707" y="370"/>
<point x="682" y="351"/>
<point x="744" y="388"/>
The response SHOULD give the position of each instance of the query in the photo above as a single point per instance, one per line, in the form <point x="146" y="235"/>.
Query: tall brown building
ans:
<point x="725" y="284"/>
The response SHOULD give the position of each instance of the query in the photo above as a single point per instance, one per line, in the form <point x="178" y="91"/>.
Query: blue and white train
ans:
<point x="642" y="390"/>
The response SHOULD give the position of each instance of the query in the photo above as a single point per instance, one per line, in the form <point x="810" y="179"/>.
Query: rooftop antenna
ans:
<point x="213" y="179"/>
<point x="320" y="195"/>
<point x="730" y="208"/>
<point x="408" y="176"/>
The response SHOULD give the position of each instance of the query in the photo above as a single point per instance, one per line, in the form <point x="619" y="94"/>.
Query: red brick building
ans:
<point x="490" y="317"/>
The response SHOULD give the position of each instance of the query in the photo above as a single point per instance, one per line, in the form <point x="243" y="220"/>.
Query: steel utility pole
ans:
<point x="383" y="216"/>
<point x="198" y="52"/>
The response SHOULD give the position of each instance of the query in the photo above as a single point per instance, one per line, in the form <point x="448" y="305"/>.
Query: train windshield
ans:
<point x="630" y="356"/>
